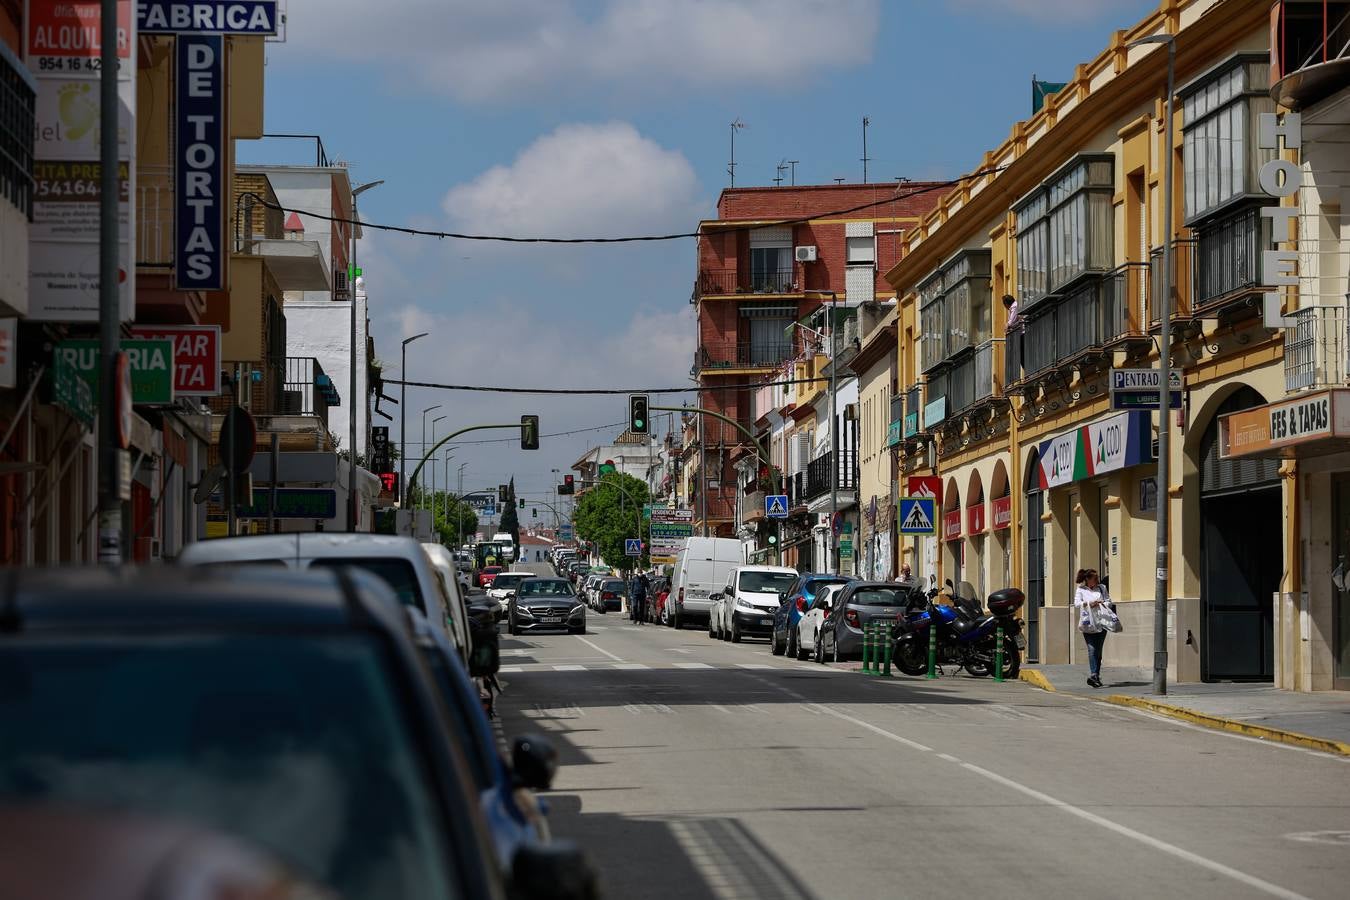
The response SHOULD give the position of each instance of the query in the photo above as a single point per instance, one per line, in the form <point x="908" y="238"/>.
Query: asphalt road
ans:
<point x="694" y="768"/>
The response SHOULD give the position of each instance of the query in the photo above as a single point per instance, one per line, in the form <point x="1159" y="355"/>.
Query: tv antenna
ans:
<point x="793" y="164"/>
<point x="778" y="179"/>
<point x="865" y="158"/>
<point x="736" y="126"/>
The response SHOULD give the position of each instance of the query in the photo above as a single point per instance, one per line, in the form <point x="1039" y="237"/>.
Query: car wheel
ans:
<point x="802" y="655"/>
<point x="819" y="651"/>
<point x="735" y="636"/>
<point x="775" y="646"/>
<point x="834" y="653"/>
<point x="677" y="623"/>
<point x="792" y="642"/>
<point x="712" y="632"/>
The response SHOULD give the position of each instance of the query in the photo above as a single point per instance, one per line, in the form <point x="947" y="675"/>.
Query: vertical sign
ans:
<point x="199" y="164"/>
<point x="62" y="45"/>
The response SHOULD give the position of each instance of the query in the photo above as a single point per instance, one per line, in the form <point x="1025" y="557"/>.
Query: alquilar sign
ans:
<point x="208" y="17"/>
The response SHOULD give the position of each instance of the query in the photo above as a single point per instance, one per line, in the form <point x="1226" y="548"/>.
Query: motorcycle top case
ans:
<point x="1006" y="601"/>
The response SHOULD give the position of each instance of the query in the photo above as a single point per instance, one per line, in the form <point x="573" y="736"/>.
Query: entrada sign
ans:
<point x="207" y="17"/>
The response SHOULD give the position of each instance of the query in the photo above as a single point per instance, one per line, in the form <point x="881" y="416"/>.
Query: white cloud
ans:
<point x="484" y="52"/>
<point x="1049" y="11"/>
<point x="583" y="180"/>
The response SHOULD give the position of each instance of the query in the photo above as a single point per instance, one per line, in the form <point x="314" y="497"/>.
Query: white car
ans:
<point x="813" y="620"/>
<point x="747" y="602"/>
<point x="451" y="575"/>
<point x="506" y="583"/>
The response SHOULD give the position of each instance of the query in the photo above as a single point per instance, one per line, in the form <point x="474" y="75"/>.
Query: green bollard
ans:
<point x="998" y="654"/>
<point x="867" y="648"/>
<point x="932" y="649"/>
<point x="888" y="649"/>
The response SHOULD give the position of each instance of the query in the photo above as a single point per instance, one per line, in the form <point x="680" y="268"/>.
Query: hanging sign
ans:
<point x="1001" y="507"/>
<point x="1089" y="450"/>
<point x="1279" y="178"/>
<point x="951" y="525"/>
<point x="200" y="191"/>
<point x="925" y="486"/>
<point x="1265" y="430"/>
<point x="975" y="518"/>
<point x="196" y="356"/>
<point x="150" y="363"/>
<point x="207" y="17"/>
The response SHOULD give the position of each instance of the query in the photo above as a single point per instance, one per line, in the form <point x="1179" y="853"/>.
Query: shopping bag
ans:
<point x="1087" y="622"/>
<point x="1108" y="620"/>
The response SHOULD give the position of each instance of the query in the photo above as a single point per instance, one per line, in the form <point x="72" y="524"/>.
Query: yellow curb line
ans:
<point x="1035" y="678"/>
<point x="1293" y="738"/>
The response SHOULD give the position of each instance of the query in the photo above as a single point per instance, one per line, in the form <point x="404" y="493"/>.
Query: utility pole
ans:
<point x="403" y="424"/>
<point x="110" y="548"/>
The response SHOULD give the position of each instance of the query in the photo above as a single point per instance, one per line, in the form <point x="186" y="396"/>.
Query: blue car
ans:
<point x="794" y="602"/>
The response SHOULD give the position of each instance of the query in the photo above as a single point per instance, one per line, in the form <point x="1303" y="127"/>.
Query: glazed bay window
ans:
<point x="932" y="326"/>
<point x="956" y="307"/>
<point x="1220" y="110"/>
<point x="1066" y="228"/>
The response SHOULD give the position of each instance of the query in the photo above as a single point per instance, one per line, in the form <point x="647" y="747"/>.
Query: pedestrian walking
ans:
<point x="1092" y="602"/>
<point x="638" y="597"/>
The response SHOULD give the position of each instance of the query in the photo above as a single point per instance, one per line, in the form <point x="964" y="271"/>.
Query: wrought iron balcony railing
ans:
<point x="742" y="354"/>
<point x="745" y="281"/>
<point x="1316" y="349"/>
<point x="285" y="386"/>
<point x="818" y="474"/>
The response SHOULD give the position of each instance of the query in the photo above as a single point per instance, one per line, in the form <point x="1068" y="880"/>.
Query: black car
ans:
<point x="545" y="603"/>
<point x="609" y="594"/>
<point x="288" y="710"/>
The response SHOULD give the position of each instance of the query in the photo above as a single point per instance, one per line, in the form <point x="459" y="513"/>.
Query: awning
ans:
<point x="1313" y="424"/>
<point x="757" y="311"/>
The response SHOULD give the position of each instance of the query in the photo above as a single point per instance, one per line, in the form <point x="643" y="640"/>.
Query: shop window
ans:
<point x="1065" y="228"/>
<point x="1220" y="110"/>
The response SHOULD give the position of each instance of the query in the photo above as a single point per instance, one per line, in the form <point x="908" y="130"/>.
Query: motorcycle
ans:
<point x="967" y="636"/>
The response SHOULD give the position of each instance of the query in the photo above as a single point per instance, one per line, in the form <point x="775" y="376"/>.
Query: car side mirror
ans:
<point x="715" y="597"/>
<point x="949" y="584"/>
<point x="534" y="760"/>
<point x="557" y="870"/>
<point x="511" y="595"/>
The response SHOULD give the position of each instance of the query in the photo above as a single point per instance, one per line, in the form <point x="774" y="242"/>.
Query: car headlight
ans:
<point x="742" y="606"/>
<point x="579" y="608"/>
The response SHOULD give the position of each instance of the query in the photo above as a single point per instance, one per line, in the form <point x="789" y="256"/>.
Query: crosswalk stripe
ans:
<point x="754" y="666"/>
<point x="691" y="665"/>
<point x="630" y="667"/>
<point x="510" y="670"/>
<point x="569" y="668"/>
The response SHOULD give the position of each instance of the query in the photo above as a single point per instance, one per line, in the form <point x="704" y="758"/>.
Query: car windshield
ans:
<point x="879" y="596"/>
<point x="766" y="582"/>
<point x="546" y="588"/>
<point x="398" y="573"/>
<point x="296" y="744"/>
<point x="508" y="581"/>
<point x="613" y="584"/>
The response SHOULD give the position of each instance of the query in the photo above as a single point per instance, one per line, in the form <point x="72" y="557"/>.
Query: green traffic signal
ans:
<point x="637" y="414"/>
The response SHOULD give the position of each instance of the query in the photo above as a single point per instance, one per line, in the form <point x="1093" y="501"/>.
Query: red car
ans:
<point x="487" y="575"/>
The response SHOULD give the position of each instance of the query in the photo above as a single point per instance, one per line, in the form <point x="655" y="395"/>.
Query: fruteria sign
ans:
<point x="1090" y="450"/>
<point x="196" y="356"/>
<point x="199" y="164"/>
<point x="208" y="17"/>
<point x="151" y="364"/>
<point x="1266" y="430"/>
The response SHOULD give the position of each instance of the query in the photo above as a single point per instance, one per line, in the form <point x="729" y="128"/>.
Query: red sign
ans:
<point x="389" y="483"/>
<point x="975" y="518"/>
<point x="1002" y="513"/>
<point x="73" y="29"/>
<point x="951" y="525"/>
<point x="196" y="356"/>
<point x="925" y="486"/>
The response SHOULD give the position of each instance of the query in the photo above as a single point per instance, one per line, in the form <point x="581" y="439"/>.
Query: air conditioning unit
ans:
<point x="806" y="253"/>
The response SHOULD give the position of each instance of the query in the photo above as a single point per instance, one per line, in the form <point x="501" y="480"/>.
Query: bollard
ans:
<point x="867" y="649"/>
<point x="998" y="654"/>
<point x="932" y="649"/>
<point x="888" y="636"/>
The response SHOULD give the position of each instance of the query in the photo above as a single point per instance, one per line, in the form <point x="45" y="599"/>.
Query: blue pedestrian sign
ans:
<point x="632" y="547"/>
<point x="776" y="506"/>
<point x="918" y="515"/>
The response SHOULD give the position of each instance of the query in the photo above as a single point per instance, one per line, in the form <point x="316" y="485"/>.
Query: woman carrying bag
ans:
<point x="1096" y="616"/>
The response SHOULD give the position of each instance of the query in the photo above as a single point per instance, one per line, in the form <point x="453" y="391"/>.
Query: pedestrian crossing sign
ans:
<point x="918" y="515"/>
<point x="632" y="547"/>
<point x="776" y="506"/>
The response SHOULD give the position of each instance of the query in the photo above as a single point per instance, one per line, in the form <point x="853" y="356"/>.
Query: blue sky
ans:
<point x="567" y="117"/>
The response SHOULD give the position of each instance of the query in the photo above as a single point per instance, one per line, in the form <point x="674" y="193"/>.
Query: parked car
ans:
<point x="609" y="594"/>
<point x="701" y="570"/>
<point x="841" y="634"/>
<point x="747" y="602"/>
<point x="586" y="591"/>
<point x="212" y="697"/>
<point x="657" y="594"/>
<point x="456" y="590"/>
<point x="400" y="561"/>
<point x="577" y="571"/>
<point x="795" y="601"/>
<point x="806" y="634"/>
<point x="544" y="603"/>
<point x="485" y="576"/>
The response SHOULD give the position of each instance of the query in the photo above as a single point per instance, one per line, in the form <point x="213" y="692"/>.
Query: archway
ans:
<point x="1033" y="508"/>
<point x="949" y="533"/>
<point x="976" y="525"/>
<point x="1000" y="526"/>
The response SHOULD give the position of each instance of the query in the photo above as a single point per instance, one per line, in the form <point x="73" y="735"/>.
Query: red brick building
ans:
<point x="761" y="265"/>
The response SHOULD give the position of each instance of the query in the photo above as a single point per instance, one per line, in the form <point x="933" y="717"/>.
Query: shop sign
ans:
<point x="199" y="164"/>
<point x="9" y="352"/>
<point x="951" y="525"/>
<point x="207" y="17"/>
<point x="975" y="518"/>
<point x="924" y="486"/>
<point x="934" y="412"/>
<point x="151" y="363"/>
<point x="893" y="434"/>
<point x="293" y="503"/>
<point x="71" y="392"/>
<point x="1002" y="512"/>
<point x="1308" y="418"/>
<point x="1109" y="445"/>
<point x="911" y="426"/>
<point x="379" y="442"/>
<point x="196" y="356"/>
<point x="1138" y="389"/>
<point x="1279" y="178"/>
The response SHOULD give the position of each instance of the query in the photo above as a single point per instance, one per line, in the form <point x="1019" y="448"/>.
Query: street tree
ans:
<point x="510" y="520"/>
<point x="610" y="513"/>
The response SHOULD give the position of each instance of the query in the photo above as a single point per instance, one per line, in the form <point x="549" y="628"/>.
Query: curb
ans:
<point x="1219" y="723"/>
<point x="1036" y="679"/>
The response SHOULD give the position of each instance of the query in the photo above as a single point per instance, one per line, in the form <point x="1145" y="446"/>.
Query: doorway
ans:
<point x="1340" y="582"/>
<point x="1035" y="569"/>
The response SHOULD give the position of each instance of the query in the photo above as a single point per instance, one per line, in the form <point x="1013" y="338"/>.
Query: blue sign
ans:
<point x="207" y="17"/>
<point x="564" y="532"/>
<point x="632" y="547"/>
<point x="776" y="506"/>
<point x="918" y="515"/>
<point x="488" y="512"/>
<point x="200" y="188"/>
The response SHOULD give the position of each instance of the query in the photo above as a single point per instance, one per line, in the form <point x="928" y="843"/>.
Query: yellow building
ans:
<point x="1040" y="475"/>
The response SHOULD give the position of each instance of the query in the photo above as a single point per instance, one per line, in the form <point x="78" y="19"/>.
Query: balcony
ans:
<point x="715" y="282"/>
<point x="818" y="476"/>
<point x="1316" y="348"/>
<point x="293" y="386"/>
<point x="1012" y="355"/>
<point x="913" y="421"/>
<point x="970" y="380"/>
<point x="742" y="355"/>
<point x="1309" y="50"/>
<point x="1183" y="269"/>
<point x="1124" y="304"/>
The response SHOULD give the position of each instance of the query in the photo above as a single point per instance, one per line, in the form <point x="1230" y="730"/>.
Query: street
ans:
<point x="694" y="768"/>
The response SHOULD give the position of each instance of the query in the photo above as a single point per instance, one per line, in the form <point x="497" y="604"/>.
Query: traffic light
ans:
<point x="522" y="502"/>
<point x="638" y="423"/>
<point x="568" y="486"/>
<point x="501" y="493"/>
<point x="534" y="513"/>
<point x="529" y="432"/>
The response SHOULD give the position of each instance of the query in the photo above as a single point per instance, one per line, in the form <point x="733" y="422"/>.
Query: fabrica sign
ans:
<point x="199" y="175"/>
<point x="207" y="17"/>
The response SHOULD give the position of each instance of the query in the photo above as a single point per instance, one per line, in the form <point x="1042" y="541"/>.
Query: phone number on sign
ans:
<point x="70" y="64"/>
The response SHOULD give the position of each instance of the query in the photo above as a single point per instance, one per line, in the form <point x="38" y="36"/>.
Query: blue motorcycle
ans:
<point x="967" y="636"/>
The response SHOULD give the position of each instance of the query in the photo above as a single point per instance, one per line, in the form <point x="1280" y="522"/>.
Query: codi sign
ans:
<point x="199" y="179"/>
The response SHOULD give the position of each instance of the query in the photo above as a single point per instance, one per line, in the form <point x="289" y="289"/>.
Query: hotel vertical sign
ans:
<point x="1279" y="178"/>
<point x="200" y="190"/>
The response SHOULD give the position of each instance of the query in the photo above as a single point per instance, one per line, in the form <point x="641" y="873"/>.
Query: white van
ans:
<point x="747" y="602"/>
<point x="701" y="570"/>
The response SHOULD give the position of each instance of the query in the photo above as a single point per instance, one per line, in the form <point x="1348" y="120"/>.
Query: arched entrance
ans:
<point x="976" y="525"/>
<point x="949" y="532"/>
<point x="1241" y="555"/>
<point x="1032" y="510"/>
<point x="1000" y="522"/>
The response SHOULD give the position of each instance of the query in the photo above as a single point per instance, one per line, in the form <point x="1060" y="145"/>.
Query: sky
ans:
<point x="612" y="117"/>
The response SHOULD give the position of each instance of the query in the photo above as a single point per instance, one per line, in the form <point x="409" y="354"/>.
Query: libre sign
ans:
<point x="199" y="164"/>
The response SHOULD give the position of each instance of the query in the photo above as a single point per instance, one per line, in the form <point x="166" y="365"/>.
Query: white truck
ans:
<point x="508" y="546"/>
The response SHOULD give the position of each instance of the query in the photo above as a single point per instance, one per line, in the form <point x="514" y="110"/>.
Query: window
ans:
<point x="955" y="309"/>
<point x="861" y="251"/>
<point x="1228" y="254"/>
<point x="1220" y="110"/>
<point x="1065" y="228"/>
<point x="771" y="260"/>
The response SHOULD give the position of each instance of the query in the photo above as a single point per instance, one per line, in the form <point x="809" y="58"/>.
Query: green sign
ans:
<point x="911" y="426"/>
<point x="607" y="469"/>
<point x="845" y="549"/>
<point x="151" y="367"/>
<point x="893" y="434"/>
<point x="71" y="392"/>
<point x="294" y="503"/>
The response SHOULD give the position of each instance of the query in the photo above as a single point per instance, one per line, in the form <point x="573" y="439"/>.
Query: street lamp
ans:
<point x="351" y="403"/>
<point x="1164" y="382"/>
<point x="433" y="471"/>
<point x="403" y="423"/>
<point x="424" y="430"/>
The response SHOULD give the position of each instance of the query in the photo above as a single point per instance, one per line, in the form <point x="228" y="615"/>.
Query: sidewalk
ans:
<point x="1319" y="720"/>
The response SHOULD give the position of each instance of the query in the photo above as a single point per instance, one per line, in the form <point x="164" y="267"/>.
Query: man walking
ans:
<point x="638" y="595"/>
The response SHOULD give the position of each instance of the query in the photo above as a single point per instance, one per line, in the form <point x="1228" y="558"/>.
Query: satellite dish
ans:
<point x="210" y="481"/>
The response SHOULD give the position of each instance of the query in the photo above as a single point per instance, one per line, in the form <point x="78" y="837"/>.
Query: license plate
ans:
<point x="766" y="621"/>
<point x="551" y="620"/>
<point x="1021" y="642"/>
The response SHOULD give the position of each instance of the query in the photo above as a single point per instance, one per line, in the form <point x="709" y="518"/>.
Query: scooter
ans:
<point x="967" y="636"/>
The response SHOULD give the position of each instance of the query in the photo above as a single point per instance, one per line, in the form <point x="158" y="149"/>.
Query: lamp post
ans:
<point x="356" y="334"/>
<point x="433" y="471"/>
<point x="1164" y="381"/>
<point x="403" y="423"/>
<point x="423" y="451"/>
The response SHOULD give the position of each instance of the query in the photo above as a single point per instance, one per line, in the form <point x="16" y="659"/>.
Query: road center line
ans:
<point x="595" y="646"/>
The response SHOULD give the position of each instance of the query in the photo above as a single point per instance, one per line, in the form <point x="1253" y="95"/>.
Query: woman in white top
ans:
<point x="1091" y="595"/>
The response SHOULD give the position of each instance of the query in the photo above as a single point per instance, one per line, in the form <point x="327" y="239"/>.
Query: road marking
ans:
<point x="755" y="666"/>
<point x="948" y="757"/>
<point x="691" y="665"/>
<point x="518" y="651"/>
<point x="569" y="668"/>
<point x="595" y="646"/>
<point x="630" y="667"/>
<point x="720" y="708"/>
<point x="678" y="650"/>
<point x="1274" y="745"/>
<point x="510" y="670"/>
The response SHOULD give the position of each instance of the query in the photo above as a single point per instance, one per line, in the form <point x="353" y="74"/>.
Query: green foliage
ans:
<point x="510" y="522"/>
<point x="611" y="512"/>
